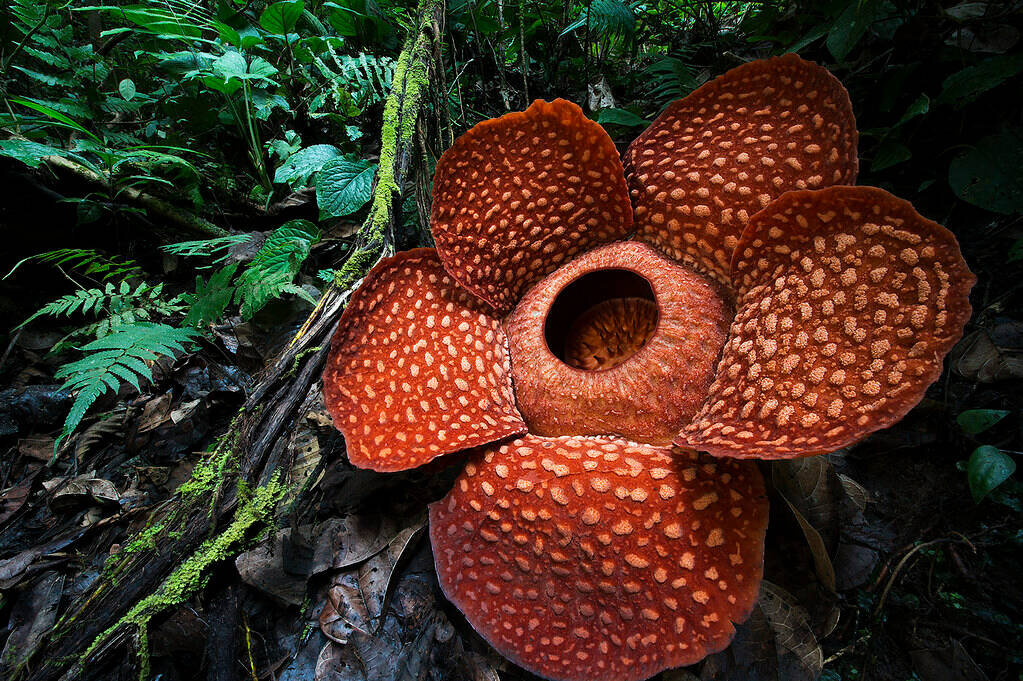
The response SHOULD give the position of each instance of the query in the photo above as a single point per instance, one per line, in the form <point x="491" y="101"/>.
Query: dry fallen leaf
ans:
<point x="791" y="626"/>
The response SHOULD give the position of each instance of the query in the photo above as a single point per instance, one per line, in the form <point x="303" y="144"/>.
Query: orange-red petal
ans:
<point x="417" y="368"/>
<point x="848" y="301"/>
<point x="517" y="196"/>
<point x="715" y="158"/>
<point x="601" y="559"/>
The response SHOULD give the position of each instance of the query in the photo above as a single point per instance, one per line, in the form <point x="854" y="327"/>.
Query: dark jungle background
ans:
<point x="180" y="184"/>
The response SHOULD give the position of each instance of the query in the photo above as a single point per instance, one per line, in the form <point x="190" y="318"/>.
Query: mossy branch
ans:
<point x="403" y="108"/>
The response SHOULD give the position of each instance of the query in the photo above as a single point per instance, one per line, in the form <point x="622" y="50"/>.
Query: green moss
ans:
<point x="209" y="474"/>
<point x="192" y="575"/>
<point x="410" y="83"/>
<point x="144" y="540"/>
<point x="300" y="356"/>
<point x="143" y="653"/>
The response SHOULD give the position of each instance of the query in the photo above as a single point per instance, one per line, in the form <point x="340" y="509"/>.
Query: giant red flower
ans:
<point x="765" y="308"/>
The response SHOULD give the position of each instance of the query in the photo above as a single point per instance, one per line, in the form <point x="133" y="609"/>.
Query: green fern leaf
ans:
<point x="121" y="357"/>
<point x="207" y="247"/>
<point x="211" y="297"/>
<point x="86" y="261"/>
<point x="272" y="270"/>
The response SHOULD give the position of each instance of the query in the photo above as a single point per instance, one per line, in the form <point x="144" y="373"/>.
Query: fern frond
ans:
<point x="670" y="78"/>
<point x="211" y="297"/>
<point x="87" y="261"/>
<point x="363" y="79"/>
<point x="122" y="306"/>
<point x="606" y="17"/>
<point x="79" y="301"/>
<point x="207" y="247"/>
<point x="57" y="61"/>
<point x="273" y="269"/>
<point x="124" y="356"/>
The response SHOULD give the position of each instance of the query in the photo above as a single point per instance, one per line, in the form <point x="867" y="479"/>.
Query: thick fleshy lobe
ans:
<point x="417" y="368"/>
<point x="848" y="302"/>
<point x="518" y="196"/>
<point x="647" y="397"/>
<point x="600" y="559"/>
<point x="715" y="158"/>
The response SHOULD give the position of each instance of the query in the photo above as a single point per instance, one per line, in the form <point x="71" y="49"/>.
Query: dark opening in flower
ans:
<point x="601" y="319"/>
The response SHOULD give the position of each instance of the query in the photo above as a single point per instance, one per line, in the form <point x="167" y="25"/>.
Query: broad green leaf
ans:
<point x="265" y="104"/>
<point x="919" y="107"/>
<point x="301" y="165"/>
<point x="261" y="69"/>
<point x="890" y="153"/>
<point x="966" y="85"/>
<point x="250" y="37"/>
<point x="851" y="25"/>
<point x="974" y="421"/>
<point x="54" y="114"/>
<point x="991" y="175"/>
<point x="345" y="20"/>
<point x="28" y="152"/>
<point x="127" y="89"/>
<point x="344" y="186"/>
<point x="622" y="117"/>
<point x="231" y="65"/>
<point x="164" y="22"/>
<point x="987" y="468"/>
<point x="281" y="18"/>
<point x="228" y="34"/>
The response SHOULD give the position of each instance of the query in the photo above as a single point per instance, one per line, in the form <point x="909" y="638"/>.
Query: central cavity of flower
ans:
<point x="620" y="341"/>
<point x="601" y="319"/>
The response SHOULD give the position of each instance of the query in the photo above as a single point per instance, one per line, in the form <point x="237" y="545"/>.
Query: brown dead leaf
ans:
<point x="13" y="498"/>
<point x="305" y="443"/>
<point x="83" y="491"/>
<point x="752" y="655"/>
<point x="952" y="663"/>
<point x="31" y="620"/>
<point x="358" y="598"/>
<point x="859" y="495"/>
<point x="823" y="566"/>
<point x="263" y="568"/>
<point x="106" y="425"/>
<point x="351" y="540"/>
<point x="791" y="626"/>
<point x="184" y="410"/>
<point x="980" y="358"/>
<point x="376" y="576"/>
<point x="813" y="492"/>
<point x="345" y="611"/>
<point x="814" y="488"/>
<point x="38" y="447"/>
<point x="155" y="413"/>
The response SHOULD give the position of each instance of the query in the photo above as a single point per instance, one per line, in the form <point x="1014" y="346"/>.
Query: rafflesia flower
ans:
<point x="605" y="526"/>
